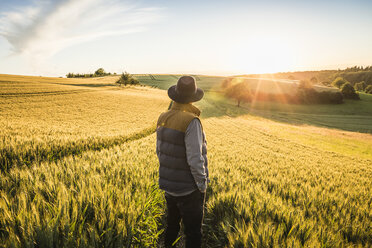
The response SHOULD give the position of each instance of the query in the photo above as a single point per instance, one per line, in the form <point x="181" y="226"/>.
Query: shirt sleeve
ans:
<point x="157" y="147"/>
<point x="194" y="143"/>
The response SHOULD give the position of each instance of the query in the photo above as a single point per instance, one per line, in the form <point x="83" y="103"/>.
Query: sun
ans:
<point x="263" y="54"/>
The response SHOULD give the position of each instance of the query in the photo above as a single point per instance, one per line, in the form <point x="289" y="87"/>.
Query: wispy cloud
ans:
<point x="45" y="27"/>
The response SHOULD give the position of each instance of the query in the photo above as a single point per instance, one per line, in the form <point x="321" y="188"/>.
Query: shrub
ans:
<point x="127" y="78"/>
<point x="360" y="86"/>
<point x="338" y="82"/>
<point x="348" y="92"/>
<point x="311" y="96"/>
<point x="330" y="97"/>
<point x="368" y="89"/>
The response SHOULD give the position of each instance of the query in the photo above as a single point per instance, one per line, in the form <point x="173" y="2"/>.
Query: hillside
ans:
<point x="81" y="167"/>
<point x="325" y="77"/>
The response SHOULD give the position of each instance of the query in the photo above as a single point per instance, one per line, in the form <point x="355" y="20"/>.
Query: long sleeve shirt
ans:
<point x="194" y="138"/>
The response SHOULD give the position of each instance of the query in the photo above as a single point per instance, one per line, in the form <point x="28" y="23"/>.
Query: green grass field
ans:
<point x="79" y="167"/>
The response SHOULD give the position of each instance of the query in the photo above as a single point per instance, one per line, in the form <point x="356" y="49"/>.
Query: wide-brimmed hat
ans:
<point x="185" y="91"/>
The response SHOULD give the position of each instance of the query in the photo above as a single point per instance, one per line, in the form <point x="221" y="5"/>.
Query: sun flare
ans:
<point x="263" y="54"/>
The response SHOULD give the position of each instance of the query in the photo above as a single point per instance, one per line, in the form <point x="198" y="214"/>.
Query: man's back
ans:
<point x="183" y="170"/>
<point x="176" y="165"/>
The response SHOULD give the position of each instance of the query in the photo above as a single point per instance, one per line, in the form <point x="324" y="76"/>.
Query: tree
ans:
<point x="338" y="82"/>
<point x="291" y="77"/>
<point x="360" y="86"/>
<point x="127" y="78"/>
<point x="368" y="89"/>
<point x="70" y="75"/>
<point x="240" y="92"/>
<point x="100" y="72"/>
<point x="348" y="92"/>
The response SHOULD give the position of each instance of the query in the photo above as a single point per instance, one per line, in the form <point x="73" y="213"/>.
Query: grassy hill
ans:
<point x="81" y="167"/>
<point x="350" y="116"/>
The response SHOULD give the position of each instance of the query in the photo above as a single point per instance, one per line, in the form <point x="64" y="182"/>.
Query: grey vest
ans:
<point x="174" y="171"/>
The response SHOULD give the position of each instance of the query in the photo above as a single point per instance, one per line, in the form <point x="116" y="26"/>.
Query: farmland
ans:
<point x="79" y="167"/>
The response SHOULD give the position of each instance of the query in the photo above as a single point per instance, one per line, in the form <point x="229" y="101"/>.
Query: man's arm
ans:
<point x="194" y="142"/>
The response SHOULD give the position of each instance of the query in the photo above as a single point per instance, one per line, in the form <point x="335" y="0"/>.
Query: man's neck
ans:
<point x="185" y="107"/>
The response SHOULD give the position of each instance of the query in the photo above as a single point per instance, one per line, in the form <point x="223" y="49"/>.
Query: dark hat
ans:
<point x="185" y="91"/>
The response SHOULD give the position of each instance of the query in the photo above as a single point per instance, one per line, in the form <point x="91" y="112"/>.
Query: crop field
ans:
<point x="80" y="169"/>
<point x="50" y="120"/>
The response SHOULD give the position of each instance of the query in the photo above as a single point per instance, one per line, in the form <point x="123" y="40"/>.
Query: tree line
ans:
<point x="98" y="73"/>
<point x="304" y="94"/>
<point x="353" y="75"/>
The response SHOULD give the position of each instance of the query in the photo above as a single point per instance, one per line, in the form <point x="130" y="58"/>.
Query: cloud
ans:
<point x="45" y="27"/>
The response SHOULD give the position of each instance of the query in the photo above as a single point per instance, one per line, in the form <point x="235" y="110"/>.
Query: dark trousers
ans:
<point x="189" y="208"/>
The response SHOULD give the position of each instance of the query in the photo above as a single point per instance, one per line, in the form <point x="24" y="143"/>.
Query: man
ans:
<point x="183" y="171"/>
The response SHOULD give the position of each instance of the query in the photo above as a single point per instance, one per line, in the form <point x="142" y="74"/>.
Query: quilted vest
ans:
<point x="174" y="171"/>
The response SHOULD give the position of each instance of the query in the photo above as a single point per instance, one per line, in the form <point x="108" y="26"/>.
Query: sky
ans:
<point x="214" y="37"/>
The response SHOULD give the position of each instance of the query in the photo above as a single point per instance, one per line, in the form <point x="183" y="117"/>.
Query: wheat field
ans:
<point x="80" y="170"/>
<point x="41" y="119"/>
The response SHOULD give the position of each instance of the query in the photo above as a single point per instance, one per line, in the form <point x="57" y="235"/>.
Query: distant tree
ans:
<point x="368" y="89"/>
<point x="314" y="80"/>
<point x="291" y="77"/>
<point x="226" y="83"/>
<point x="360" y="86"/>
<point x="127" y="78"/>
<point x="100" y="72"/>
<point x="339" y="82"/>
<point x="241" y="92"/>
<point x="348" y="92"/>
<point x="70" y="75"/>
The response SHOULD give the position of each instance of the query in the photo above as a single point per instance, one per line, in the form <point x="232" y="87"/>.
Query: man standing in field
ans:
<point x="182" y="152"/>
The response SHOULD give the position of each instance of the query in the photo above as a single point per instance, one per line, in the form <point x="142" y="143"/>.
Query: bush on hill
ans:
<point x="126" y="78"/>
<point x="360" y="86"/>
<point x="368" y="89"/>
<point x="348" y="92"/>
<point x="311" y="96"/>
<point x="338" y="82"/>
